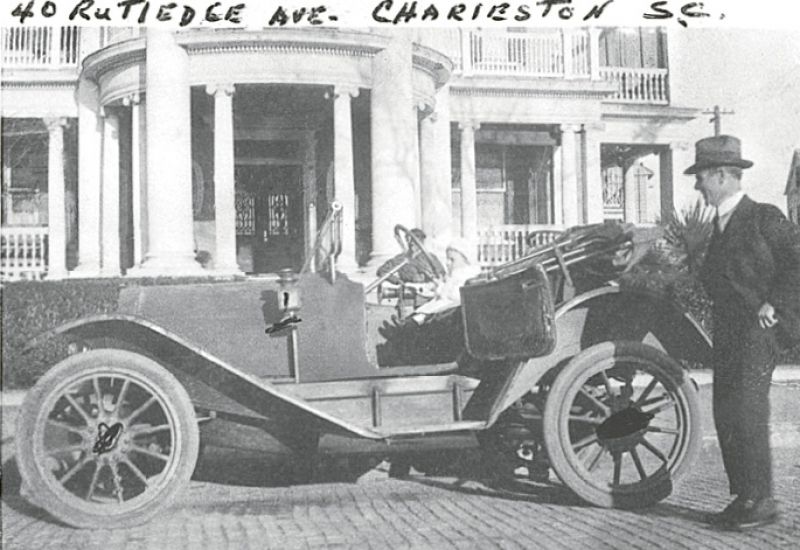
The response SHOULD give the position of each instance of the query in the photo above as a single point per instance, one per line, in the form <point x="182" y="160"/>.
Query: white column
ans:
<point x="569" y="175"/>
<point x="90" y="140"/>
<point x="594" y="52"/>
<point x="593" y="186"/>
<point x="137" y="184"/>
<point x="56" y="216"/>
<point x="393" y="142"/>
<point x="558" y="195"/>
<point x="469" y="196"/>
<point x="436" y="171"/>
<point x="224" y="180"/>
<point x="631" y="195"/>
<point x="109" y="225"/>
<point x="169" y="162"/>
<point x="343" y="173"/>
<point x="677" y="189"/>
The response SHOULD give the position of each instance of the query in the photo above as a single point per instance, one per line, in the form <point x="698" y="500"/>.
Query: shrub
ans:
<point x="33" y="307"/>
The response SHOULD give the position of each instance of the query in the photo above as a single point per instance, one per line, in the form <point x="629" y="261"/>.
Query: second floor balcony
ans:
<point x="633" y="59"/>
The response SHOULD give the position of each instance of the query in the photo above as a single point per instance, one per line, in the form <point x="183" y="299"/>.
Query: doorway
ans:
<point x="269" y="213"/>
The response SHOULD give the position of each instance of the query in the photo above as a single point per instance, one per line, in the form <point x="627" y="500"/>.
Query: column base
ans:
<point x="84" y="271"/>
<point x="172" y="266"/>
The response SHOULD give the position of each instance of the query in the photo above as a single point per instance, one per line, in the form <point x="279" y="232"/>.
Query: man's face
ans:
<point x="711" y="184"/>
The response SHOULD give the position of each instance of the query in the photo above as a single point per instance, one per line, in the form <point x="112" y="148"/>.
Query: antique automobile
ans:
<point x="547" y="364"/>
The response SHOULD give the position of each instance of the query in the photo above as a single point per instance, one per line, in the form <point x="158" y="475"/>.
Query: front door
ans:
<point x="277" y="215"/>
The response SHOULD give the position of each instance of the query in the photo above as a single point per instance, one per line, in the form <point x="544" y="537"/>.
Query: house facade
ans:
<point x="147" y="152"/>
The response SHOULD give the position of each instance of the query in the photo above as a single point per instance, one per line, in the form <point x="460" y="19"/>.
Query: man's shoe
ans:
<point x="725" y="517"/>
<point x="753" y="513"/>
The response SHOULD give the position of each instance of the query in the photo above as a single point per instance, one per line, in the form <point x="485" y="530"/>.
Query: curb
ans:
<point x="783" y="373"/>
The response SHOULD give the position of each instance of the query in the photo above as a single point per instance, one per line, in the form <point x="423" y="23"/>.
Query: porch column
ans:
<point x="469" y="196"/>
<point x="436" y="171"/>
<point x="631" y="194"/>
<point x="109" y="220"/>
<point x="169" y="162"/>
<point x="56" y="216"/>
<point x="343" y="174"/>
<point x="90" y="140"/>
<point x="676" y="192"/>
<point x="224" y="179"/>
<point x="593" y="177"/>
<point x="137" y="181"/>
<point x="569" y="175"/>
<point x="393" y="159"/>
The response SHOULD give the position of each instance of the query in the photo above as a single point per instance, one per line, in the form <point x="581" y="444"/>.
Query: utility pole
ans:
<point x="717" y="118"/>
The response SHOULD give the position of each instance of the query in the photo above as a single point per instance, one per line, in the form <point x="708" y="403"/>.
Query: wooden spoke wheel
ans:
<point x="107" y="438"/>
<point x="621" y="424"/>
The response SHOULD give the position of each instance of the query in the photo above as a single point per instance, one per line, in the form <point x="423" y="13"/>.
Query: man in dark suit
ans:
<point x="752" y="274"/>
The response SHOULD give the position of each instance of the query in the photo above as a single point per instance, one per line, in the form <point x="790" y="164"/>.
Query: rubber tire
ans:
<point x="553" y="436"/>
<point x="107" y="361"/>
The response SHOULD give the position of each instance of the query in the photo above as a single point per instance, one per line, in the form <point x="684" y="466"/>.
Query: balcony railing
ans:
<point x="23" y="253"/>
<point x="638" y="85"/>
<point x="41" y="47"/>
<point x="500" y="244"/>
<point x="543" y="53"/>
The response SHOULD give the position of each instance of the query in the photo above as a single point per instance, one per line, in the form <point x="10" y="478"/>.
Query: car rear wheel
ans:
<point x="621" y="424"/>
<point x="106" y="439"/>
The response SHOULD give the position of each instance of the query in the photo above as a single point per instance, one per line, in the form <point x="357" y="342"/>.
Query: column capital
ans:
<point x="469" y="125"/>
<point x="341" y="90"/>
<point x="220" y="88"/>
<point x="54" y="123"/>
<point x="131" y="99"/>
<point x="569" y="128"/>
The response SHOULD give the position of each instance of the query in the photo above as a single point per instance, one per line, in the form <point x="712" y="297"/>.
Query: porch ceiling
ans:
<point x="292" y="107"/>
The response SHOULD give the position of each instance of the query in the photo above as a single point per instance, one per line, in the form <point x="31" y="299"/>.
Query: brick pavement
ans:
<point x="435" y="512"/>
<point x="424" y="512"/>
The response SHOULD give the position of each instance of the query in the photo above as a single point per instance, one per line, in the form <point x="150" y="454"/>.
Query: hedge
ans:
<point x="33" y="307"/>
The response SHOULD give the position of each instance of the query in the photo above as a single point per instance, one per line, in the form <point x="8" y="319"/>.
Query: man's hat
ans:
<point x="712" y="152"/>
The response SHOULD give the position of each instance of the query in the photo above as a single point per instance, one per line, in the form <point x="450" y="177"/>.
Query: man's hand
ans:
<point x="766" y="316"/>
<point x="418" y="318"/>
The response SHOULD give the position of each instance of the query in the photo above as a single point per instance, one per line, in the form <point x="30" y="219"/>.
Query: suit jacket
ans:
<point x="756" y="259"/>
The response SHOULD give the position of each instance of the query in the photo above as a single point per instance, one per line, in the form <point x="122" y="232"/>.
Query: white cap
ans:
<point x="464" y="247"/>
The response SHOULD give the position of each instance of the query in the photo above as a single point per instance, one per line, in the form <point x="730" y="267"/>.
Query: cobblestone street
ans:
<point x="433" y="512"/>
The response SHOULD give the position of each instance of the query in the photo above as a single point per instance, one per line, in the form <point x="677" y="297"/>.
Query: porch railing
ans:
<point x="500" y="244"/>
<point x="638" y="85"/>
<point x="41" y="47"/>
<point x="541" y="53"/>
<point x="23" y="253"/>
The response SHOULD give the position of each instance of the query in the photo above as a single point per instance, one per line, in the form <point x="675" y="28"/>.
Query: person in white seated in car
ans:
<point x="461" y="266"/>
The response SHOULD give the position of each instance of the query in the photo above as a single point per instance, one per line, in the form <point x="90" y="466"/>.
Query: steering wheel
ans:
<point x="405" y="237"/>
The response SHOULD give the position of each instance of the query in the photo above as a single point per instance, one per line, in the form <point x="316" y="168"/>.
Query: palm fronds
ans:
<point x="687" y="235"/>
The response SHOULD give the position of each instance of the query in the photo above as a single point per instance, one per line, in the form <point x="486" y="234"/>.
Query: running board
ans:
<point x="416" y="431"/>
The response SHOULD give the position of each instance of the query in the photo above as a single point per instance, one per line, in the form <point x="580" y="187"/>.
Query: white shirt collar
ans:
<point x="727" y="206"/>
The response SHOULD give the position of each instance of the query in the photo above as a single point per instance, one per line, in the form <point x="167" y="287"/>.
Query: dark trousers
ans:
<point x="745" y="356"/>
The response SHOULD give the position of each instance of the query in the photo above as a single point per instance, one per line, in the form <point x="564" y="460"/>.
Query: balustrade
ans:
<point x="636" y="85"/>
<point x="23" y="253"/>
<point x="41" y="47"/>
<point x="500" y="244"/>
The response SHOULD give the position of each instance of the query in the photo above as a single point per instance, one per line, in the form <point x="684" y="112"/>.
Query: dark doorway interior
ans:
<point x="275" y="215"/>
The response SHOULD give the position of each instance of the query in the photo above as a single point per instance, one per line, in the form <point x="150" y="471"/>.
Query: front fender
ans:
<point x="612" y="313"/>
<point x="211" y="382"/>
